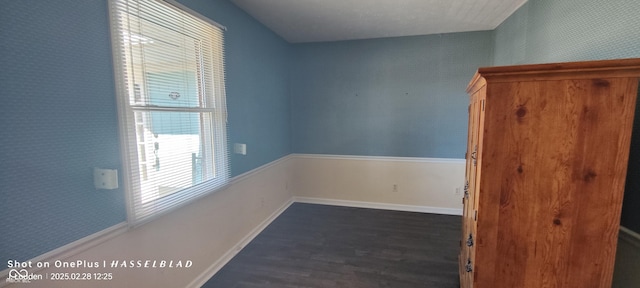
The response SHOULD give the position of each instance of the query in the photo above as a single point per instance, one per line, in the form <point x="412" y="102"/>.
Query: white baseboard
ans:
<point x="431" y="185"/>
<point x="217" y="265"/>
<point x="71" y="249"/>
<point x="246" y="196"/>
<point x="240" y="211"/>
<point x="374" y="205"/>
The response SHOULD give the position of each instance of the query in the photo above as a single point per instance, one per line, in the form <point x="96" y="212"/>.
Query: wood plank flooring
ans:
<point x="311" y="245"/>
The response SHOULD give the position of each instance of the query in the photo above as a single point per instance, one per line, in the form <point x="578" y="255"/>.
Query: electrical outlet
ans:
<point x="458" y="191"/>
<point x="240" y="148"/>
<point x="395" y="187"/>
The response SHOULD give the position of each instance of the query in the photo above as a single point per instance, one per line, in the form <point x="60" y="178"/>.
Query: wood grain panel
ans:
<point x="554" y="163"/>
<point x="553" y="151"/>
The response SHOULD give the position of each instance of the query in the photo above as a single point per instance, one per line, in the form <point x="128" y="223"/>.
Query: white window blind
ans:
<point x="169" y="68"/>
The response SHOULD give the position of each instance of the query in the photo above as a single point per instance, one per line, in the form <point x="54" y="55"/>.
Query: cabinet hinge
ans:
<point x="466" y="189"/>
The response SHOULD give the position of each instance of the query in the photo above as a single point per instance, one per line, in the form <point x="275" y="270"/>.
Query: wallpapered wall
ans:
<point x="58" y="121"/>
<point x="59" y="116"/>
<point x="385" y="97"/>
<point x="390" y="97"/>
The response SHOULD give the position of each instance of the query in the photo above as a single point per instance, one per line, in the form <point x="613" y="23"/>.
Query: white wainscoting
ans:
<point x="208" y="232"/>
<point x="411" y="184"/>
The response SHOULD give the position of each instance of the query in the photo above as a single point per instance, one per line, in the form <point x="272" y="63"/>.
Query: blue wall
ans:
<point x="569" y="30"/>
<point x="385" y="97"/>
<point x="393" y="97"/>
<point x="59" y="117"/>
<point x="572" y="30"/>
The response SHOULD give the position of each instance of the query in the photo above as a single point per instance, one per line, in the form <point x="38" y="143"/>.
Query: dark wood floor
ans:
<point x="312" y="245"/>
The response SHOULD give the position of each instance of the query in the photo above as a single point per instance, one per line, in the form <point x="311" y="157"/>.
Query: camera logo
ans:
<point x="22" y="276"/>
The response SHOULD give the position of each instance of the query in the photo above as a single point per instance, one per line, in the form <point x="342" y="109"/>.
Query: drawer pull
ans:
<point x="470" y="240"/>
<point x="468" y="267"/>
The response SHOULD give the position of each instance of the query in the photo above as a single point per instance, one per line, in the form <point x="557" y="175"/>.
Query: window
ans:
<point x="171" y="101"/>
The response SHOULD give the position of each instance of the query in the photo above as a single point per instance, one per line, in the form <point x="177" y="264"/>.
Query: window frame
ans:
<point x="215" y="106"/>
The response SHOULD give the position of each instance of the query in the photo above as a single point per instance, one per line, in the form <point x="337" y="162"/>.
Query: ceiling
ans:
<point x="300" y="21"/>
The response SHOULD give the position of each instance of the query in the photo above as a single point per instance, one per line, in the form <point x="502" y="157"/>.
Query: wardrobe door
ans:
<point x="563" y="147"/>
<point x="467" y="249"/>
<point x="547" y="158"/>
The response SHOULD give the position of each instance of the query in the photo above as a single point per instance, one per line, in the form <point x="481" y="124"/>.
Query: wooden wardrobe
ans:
<point x="547" y="156"/>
